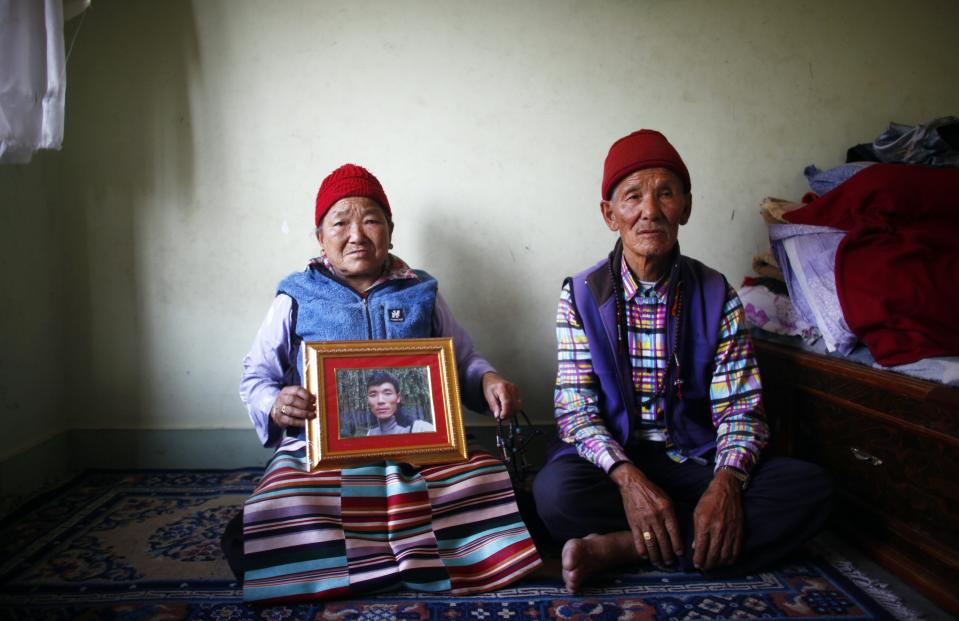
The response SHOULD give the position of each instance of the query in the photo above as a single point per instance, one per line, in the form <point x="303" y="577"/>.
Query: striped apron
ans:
<point x="341" y="533"/>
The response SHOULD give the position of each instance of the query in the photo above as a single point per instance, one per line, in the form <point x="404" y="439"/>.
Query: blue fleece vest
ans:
<point x="688" y="419"/>
<point x="327" y="310"/>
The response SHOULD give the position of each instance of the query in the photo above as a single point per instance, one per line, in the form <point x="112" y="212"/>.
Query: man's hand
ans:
<point x="718" y="523"/>
<point x="293" y="406"/>
<point x="502" y="395"/>
<point x="650" y="514"/>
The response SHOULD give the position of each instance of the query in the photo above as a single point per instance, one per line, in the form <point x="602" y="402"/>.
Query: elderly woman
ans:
<point x="317" y="535"/>
<point x="384" y="399"/>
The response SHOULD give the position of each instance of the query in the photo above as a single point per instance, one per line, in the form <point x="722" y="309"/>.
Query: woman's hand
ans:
<point x="502" y="395"/>
<point x="293" y="406"/>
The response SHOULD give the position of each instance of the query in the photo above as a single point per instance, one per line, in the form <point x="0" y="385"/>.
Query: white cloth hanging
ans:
<point x="32" y="78"/>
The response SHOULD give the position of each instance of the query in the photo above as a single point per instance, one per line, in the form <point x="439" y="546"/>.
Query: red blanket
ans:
<point x="897" y="269"/>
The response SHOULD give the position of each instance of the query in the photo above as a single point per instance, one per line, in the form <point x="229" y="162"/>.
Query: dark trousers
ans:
<point x="786" y="503"/>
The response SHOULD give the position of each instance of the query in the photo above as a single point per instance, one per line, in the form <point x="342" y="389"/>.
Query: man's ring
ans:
<point x="648" y="536"/>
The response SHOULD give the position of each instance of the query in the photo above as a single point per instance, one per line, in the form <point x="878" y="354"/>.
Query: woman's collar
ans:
<point x="395" y="269"/>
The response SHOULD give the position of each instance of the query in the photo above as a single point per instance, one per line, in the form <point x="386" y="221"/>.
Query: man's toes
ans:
<point x="572" y="580"/>
<point x="572" y="554"/>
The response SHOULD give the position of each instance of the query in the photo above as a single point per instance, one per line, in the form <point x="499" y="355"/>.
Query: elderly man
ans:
<point x="658" y="401"/>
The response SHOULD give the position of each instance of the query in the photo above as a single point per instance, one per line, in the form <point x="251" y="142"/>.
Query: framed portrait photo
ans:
<point x="395" y="399"/>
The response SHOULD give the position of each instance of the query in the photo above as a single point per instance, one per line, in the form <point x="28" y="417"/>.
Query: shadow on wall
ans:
<point x="31" y="307"/>
<point x="128" y="150"/>
<point x="484" y="299"/>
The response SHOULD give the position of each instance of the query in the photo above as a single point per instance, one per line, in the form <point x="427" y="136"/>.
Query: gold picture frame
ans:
<point x="410" y="414"/>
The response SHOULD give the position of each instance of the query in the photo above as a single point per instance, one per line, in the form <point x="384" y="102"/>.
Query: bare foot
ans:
<point x="575" y="559"/>
<point x="582" y="558"/>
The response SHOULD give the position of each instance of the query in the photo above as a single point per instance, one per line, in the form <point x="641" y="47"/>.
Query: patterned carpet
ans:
<point x="137" y="545"/>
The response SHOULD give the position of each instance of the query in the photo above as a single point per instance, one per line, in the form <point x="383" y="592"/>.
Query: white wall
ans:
<point x="197" y="134"/>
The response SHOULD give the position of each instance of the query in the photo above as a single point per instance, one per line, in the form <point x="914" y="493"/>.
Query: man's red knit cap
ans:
<point x="349" y="180"/>
<point x="642" y="149"/>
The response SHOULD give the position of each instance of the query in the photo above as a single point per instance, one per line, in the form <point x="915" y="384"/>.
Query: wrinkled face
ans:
<point x="355" y="236"/>
<point x="647" y="209"/>
<point x="383" y="400"/>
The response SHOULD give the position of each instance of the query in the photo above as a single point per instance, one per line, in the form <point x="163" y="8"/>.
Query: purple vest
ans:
<point x="703" y="296"/>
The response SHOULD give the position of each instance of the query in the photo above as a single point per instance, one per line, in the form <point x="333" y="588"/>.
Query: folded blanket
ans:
<point x="822" y="181"/>
<point x="807" y="254"/>
<point x="897" y="267"/>
<point x="774" y="312"/>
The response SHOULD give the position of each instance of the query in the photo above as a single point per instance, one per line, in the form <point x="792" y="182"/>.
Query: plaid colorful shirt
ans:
<point x="735" y="390"/>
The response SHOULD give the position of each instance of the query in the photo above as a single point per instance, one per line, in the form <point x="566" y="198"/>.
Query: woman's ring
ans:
<point x="283" y="410"/>
<point x="648" y="536"/>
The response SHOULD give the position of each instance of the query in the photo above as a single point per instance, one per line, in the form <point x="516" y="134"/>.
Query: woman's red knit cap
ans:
<point x="642" y="149"/>
<point x="349" y="180"/>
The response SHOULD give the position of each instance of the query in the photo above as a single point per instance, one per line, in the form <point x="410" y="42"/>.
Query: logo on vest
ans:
<point x="396" y="314"/>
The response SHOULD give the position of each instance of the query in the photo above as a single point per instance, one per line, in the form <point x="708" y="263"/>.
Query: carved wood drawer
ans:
<point x="891" y="444"/>
<point x="901" y="474"/>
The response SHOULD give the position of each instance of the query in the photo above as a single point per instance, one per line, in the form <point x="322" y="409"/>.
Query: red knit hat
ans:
<point x="349" y="180"/>
<point x="642" y="149"/>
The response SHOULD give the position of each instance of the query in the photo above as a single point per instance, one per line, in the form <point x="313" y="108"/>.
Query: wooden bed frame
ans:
<point x="891" y="443"/>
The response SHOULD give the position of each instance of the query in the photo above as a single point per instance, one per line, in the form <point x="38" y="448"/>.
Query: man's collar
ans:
<point x="632" y="285"/>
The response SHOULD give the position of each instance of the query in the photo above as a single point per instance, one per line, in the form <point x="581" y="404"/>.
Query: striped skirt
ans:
<point x="381" y="527"/>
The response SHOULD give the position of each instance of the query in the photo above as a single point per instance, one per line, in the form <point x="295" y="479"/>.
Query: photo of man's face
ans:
<point x="396" y="400"/>
<point x="383" y="400"/>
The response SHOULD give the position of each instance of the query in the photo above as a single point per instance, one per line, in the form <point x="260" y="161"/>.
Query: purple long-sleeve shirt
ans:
<point x="271" y="364"/>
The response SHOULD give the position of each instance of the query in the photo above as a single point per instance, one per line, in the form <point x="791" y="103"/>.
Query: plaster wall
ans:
<point x="198" y="132"/>
<point x="33" y="341"/>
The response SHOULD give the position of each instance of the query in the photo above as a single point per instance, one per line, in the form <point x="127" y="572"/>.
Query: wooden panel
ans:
<point x="893" y="549"/>
<point x="923" y="405"/>
<point x="905" y="476"/>
<point x="898" y="492"/>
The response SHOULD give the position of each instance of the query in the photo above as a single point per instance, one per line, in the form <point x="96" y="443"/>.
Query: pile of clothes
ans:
<point x="871" y="254"/>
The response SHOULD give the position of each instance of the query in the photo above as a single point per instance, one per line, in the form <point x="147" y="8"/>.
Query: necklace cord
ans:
<point x="672" y="357"/>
